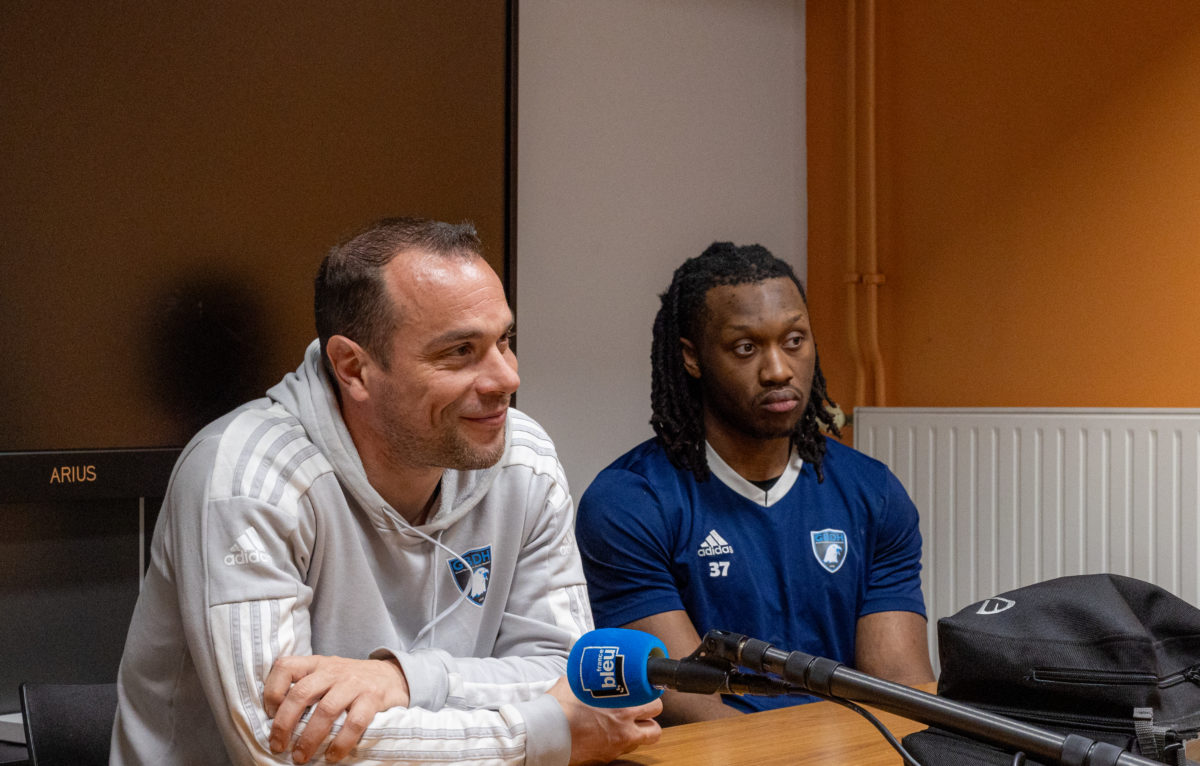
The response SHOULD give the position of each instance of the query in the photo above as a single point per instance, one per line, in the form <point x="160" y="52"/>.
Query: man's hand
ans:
<point x="331" y="686"/>
<point x="599" y="735"/>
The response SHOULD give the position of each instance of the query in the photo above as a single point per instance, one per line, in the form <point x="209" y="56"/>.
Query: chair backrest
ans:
<point x="68" y="724"/>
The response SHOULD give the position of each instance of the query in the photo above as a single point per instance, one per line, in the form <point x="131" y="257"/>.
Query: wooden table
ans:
<point x="818" y="733"/>
<point x="822" y="733"/>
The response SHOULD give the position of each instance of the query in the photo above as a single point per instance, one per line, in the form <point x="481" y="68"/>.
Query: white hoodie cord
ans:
<point x="462" y="596"/>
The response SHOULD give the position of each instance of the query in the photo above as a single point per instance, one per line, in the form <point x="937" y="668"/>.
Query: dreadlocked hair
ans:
<point x="677" y="410"/>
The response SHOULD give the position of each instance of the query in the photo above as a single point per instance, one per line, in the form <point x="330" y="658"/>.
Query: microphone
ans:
<point x="618" y="667"/>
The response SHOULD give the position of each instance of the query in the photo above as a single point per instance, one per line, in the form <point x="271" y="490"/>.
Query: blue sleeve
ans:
<point x="625" y="539"/>
<point x="894" y="580"/>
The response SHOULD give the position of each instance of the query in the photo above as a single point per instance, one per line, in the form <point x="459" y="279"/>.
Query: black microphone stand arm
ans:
<point x="830" y="679"/>
<point x="698" y="674"/>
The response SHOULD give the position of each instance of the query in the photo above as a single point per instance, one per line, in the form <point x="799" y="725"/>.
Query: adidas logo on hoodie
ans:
<point x="249" y="549"/>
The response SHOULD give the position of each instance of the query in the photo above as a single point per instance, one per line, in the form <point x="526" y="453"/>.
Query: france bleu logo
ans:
<point x="472" y="571"/>
<point x="829" y="546"/>
<point x="602" y="672"/>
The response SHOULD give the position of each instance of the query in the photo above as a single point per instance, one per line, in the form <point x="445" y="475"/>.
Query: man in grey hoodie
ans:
<point x="376" y="562"/>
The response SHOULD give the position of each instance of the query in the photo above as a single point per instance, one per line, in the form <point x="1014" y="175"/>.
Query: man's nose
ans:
<point x="500" y="373"/>
<point x="775" y="369"/>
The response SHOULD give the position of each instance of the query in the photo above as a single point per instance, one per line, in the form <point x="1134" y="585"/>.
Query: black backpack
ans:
<point x="1108" y="657"/>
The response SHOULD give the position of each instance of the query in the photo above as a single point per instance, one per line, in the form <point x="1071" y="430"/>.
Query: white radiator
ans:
<point x="1009" y="497"/>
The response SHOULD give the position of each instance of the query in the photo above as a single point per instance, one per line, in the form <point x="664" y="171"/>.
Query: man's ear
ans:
<point x="349" y="361"/>
<point x="691" y="362"/>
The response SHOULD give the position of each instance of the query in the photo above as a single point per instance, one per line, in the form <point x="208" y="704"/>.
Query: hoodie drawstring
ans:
<point x="462" y="596"/>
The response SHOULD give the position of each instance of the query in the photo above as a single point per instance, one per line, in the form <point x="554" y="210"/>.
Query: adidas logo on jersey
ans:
<point x="249" y="549"/>
<point x="714" y="545"/>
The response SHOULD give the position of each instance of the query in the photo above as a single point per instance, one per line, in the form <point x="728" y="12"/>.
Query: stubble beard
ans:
<point x="449" y="450"/>
<point x="755" y="430"/>
<point x="461" y="455"/>
<point x="448" y="447"/>
<point x="745" y="420"/>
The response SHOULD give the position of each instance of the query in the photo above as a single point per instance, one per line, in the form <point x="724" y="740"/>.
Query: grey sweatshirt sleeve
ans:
<point x="243" y="539"/>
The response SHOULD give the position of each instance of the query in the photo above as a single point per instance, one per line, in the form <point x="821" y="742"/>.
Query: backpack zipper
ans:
<point x="1114" y="677"/>
<point x="1065" y="720"/>
<point x="1092" y="677"/>
<point x="1187" y="674"/>
<point x="1082" y="677"/>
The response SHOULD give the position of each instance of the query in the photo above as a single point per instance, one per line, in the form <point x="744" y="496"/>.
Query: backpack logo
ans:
<point x="995" y="605"/>
<point x="472" y="571"/>
<point x="830" y="546"/>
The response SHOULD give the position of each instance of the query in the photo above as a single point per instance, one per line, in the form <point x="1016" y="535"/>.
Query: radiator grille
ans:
<point x="1009" y="497"/>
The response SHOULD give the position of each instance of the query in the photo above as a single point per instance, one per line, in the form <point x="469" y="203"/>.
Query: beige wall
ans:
<point x="1038" y="200"/>
<point x="645" y="132"/>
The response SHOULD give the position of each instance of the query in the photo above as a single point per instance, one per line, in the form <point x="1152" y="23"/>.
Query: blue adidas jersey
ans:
<point x="795" y="566"/>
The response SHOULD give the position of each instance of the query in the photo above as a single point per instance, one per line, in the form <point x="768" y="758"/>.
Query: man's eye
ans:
<point x="744" y="349"/>
<point x="463" y="350"/>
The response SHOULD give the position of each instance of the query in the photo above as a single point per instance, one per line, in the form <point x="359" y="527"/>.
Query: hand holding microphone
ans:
<point x="600" y="735"/>
<point x="614" y="679"/>
<point x="617" y="667"/>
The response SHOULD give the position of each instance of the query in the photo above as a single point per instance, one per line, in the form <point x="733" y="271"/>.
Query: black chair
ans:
<point x="68" y="724"/>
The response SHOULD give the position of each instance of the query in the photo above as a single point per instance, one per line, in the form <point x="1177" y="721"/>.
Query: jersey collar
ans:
<point x="734" y="480"/>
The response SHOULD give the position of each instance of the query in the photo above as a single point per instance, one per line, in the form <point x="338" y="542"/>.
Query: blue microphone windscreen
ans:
<point x="607" y="667"/>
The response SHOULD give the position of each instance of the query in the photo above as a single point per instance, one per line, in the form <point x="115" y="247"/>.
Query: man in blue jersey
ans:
<point x="740" y="515"/>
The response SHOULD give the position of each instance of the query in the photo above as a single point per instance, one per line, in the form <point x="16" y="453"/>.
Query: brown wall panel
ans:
<point x="174" y="172"/>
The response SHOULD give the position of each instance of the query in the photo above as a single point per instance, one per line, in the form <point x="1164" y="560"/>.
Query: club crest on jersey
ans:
<point x="472" y="572"/>
<point x="829" y="546"/>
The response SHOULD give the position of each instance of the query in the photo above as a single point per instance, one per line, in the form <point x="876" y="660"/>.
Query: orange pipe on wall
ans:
<point x="872" y="278"/>
<point x="852" y="276"/>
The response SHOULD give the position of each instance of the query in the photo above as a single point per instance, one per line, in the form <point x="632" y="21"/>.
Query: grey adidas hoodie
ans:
<point x="271" y="542"/>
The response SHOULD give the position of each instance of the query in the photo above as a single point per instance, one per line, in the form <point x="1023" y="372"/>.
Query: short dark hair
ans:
<point x="350" y="295"/>
<point x="677" y="409"/>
